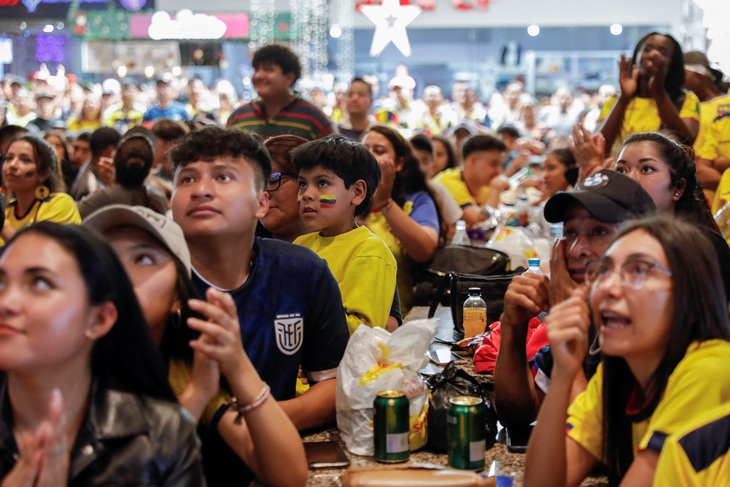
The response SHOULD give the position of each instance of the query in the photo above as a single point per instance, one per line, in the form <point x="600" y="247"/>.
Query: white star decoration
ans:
<point x="390" y="19"/>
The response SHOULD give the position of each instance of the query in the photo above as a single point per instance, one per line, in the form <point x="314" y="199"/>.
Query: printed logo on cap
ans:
<point x="594" y="181"/>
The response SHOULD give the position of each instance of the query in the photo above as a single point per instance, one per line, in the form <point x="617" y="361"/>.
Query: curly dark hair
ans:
<point x="211" y="143"/>
<point x="348" y="159"/>
<point x="680" y="160"/>
<point x="278" y="55"/>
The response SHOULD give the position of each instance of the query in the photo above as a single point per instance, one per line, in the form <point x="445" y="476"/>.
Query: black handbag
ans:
<point x="493" y="291"/>
<point x="433" y="283"/>
<point x="454" y="382"/>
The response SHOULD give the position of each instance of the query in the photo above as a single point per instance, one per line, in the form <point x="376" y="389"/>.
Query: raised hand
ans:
<point x="561" y="284"/>
<point x="628" y="79"/>
<point x="567" y="328"/>
<point x="55" y="448"/>
<point x="526" y="297"/>
<point x="381" y="197"/>
<point x="220" y="338"/>
<point x="26" y="470"/>
<point x="588" y="150"/>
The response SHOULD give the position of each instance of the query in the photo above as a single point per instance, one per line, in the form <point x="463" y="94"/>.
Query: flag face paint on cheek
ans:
<point x="327" y="200"/>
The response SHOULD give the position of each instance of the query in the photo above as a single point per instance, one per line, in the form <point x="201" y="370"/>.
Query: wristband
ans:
<point x="257" y="402"/>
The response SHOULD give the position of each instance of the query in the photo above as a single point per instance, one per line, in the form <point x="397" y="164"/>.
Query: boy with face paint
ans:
<point x="337" y="179"/>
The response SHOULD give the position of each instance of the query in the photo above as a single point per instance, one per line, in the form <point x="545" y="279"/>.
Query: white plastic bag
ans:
<point x="376" y="360"/>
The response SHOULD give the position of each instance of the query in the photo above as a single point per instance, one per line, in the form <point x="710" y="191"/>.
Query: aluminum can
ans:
<point x="391" y="427"/>
<point x="466" y="432"/>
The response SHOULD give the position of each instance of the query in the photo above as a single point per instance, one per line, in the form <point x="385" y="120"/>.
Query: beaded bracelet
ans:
<point x="257" y="402"/>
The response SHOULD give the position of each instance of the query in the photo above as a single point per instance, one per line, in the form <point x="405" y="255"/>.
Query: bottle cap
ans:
<point x="475" y="290"/>
<point x="533" y="262"/>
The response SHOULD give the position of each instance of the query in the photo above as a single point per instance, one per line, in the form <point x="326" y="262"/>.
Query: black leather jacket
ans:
<point x="124" y="440"/>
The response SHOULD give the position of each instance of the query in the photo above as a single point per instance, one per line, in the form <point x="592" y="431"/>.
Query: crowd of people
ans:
<point x="184" y="273"/>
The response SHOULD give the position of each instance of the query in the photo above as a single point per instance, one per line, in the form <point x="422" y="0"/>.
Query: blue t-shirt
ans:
<point x="175" y="112"/>
<point x="290" y="311"/>
<point x="424" y="209"/>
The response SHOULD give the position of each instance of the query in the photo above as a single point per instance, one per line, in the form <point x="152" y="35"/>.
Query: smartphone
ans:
<point x="517" y="438"/>
<point x="325" y="454"/>
<point x="441" y="356"/>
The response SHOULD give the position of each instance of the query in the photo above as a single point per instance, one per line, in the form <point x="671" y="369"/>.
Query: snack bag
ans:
<point x="376" y="360"/>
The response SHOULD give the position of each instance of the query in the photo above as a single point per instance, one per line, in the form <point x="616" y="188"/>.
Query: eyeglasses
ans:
<point x="274" y="181"/>
<point x="634" y="273"/>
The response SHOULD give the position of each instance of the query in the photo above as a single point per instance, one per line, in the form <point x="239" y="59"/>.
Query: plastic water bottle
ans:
<point x="555" y="232"/>
<point x="461" y="237"/>
<point x="475" y="313"/>
<point x="533" y="266"/>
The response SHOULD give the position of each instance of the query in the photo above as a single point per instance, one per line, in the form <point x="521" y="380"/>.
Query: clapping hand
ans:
<point x="220" y="338"/>
<point x="44" y="456"/>
<point x="628" y="78"/>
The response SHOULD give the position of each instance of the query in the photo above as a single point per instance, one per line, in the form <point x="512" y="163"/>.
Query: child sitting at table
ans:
<point x="337" y="178"/>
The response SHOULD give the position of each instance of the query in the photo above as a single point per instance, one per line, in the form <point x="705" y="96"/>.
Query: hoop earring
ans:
<point x="595" y="347"/>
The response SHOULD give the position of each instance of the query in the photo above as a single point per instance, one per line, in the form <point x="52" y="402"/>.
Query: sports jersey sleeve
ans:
<point x="327" y="338"/>
<point x="709" y="148"/>
<point x="61" y="209"/>
<point x="700" y="382"/>
<point x="451" y="179"/>
<point x="585" y="417"/>
<point x="690" y="107"/>
<point x="697" y="455"/>
<point x="423" y="210"/>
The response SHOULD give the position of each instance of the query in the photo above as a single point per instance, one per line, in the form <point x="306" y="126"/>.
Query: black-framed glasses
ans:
<point x="634" y="273"/>
<point x="274" y="181"/>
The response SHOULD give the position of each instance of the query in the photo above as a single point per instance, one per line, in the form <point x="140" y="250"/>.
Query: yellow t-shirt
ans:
<point x="699" y="382"/>
<point x="365" y="270"/>
<point x="57" y="207"/>
<point x="698" y="455"/>
<point x="642" y="115"/>
<point x="454" y="182"/>
<point x="709" y="110"/>
<point x="717" y="137"/>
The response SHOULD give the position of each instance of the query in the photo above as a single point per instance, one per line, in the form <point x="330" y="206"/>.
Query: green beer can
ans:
<point x="466" y="432"/>
<point x="391" y="427"/>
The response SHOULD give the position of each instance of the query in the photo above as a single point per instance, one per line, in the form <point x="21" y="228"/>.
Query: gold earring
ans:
<point x="42" y="192"/>
<point x="90" y="334"/>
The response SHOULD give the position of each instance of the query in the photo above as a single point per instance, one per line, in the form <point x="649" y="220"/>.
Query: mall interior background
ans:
<point x="485" y="42"/>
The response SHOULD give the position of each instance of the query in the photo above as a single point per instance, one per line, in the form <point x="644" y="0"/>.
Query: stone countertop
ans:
<point x="499" y="460"/>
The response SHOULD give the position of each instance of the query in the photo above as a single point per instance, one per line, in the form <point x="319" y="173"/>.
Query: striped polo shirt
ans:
<point x="301" y="118"/>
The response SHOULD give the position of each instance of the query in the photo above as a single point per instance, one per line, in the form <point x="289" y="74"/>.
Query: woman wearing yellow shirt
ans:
<point x="33" y="186"/>
<point x="652" y="95"/>
<point x="662" y="322"/>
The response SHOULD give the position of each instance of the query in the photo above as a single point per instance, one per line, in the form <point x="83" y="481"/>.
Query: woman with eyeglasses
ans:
<point x="34" y="186"/>
<point x="283" y="220"/>
<point x="662" y="321"/>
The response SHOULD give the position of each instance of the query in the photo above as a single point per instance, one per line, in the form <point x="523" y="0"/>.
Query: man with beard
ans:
<point x="132" y="162"/>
